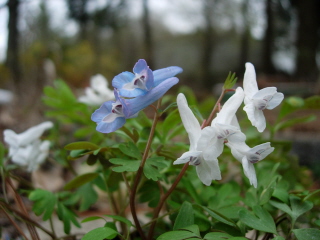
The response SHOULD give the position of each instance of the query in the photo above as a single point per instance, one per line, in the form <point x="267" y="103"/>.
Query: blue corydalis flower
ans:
<point x="112" y="115"/>
<point x="142" y="80"/>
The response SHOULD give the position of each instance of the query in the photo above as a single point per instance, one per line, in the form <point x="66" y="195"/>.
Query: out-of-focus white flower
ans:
<point x="98" y="92"/>
<point x="5" y="96"/>
<point x="26" y="149"/>
<point x="257" y="100"/>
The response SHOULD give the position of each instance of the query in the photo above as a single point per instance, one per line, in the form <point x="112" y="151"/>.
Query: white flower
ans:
<point x="98" y="92"/>
<point x="257" y="100"/>
<point x="25" y="148"/>
<point x="248" y="156"/>
<point x="222" y="128"/>
<point x="200" y="153"/>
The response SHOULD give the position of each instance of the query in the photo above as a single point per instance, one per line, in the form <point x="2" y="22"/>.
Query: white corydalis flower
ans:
<point x="26" y="149"/>
<point x="257" y="100"/>
<point x="248" y="156"/>
<point x="98" y="92"/>
<point x="200" y="153"/>
<point x="221" y="127"/>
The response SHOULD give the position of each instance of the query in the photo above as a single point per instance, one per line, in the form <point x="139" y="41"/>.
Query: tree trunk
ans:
<point x="268" y="44"/>
<point x="245" y="38"/>
<point x="12" y="60"/>
<point x="207" y="53"/>
<point x="148" y="41"/>
<point x="307" y="40"/>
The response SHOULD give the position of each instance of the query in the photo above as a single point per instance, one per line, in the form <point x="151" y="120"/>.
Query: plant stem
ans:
<point x="23" y="208"/>
<point x="164" y="198"/>
<point x="139" y="174"/>
<point x="14" y="223"/>
<point x="27" y="219"/>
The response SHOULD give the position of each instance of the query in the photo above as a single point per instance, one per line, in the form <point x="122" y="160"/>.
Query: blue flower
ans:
<point x="112" y="115"/>
<point x="109" y="116"/>
<point x="142" y="80"/>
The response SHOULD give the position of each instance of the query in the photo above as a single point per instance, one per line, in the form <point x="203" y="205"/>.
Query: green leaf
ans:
<point x="2" y="150"/>
<point x="193" y="228"/>
<point x="230" y="81"/>
<point x="177" y="235"/>
<point x="150" y="193"/>
<point x="312" y="103"/>
<point x="152" y="168"/>
<point x="299" y="207"/>
<point x="217" y="236"/>
<point x="89" y="219"/>
<point x="171" y="105"/>
<point x="67" y="216"/>
<point x="278" y="238"/>
<point x="88" y="196"/>
<point x="263" y="221"/>
<point x="126" y="165"/>
<point x="293" y="121"/>
<point x="173" y="119"/>
<point x="120" y="219"/>
<point x="131" y="150"/>
<point x="44" y="203"/>
<point x="216" y="215"/>
<point x="185" y="216"/>
<point x="81" y="145"/>
<point x="307" y="233"/>
<point x="80" y="180"/>
<point x="191" y="190"/>
<point x="290" y="105"/>
<point x="100" y="234"/>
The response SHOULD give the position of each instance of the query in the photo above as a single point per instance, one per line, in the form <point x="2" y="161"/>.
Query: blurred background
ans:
<point x="42" y="40"/>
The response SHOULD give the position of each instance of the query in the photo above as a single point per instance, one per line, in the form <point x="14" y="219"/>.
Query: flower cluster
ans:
<point x="134" y="92"/>
<point x="26" y="149"/>
<point x="206" y="144"/>
<point x="98" y="92"/>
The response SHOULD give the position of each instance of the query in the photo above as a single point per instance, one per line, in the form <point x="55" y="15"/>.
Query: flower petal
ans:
<point x="259" y="152"/>
<point x="250" y="85"/>
<point x="33" y="133"/>
<point x="189" y="121"/>
<point x="102" y="112"/>
<point x="230" y="108"/>
<point x="186" y="157"/>
<point x="134" y="105"/>
<point x="260" y="120"/>
<point x="264" y="92"/>
<point x="162" y="74"/>
<point x="249" y="171"/>
<point x="275" y="101"/>
<point x="108" y="127"/>
<point x="208" y="171"/>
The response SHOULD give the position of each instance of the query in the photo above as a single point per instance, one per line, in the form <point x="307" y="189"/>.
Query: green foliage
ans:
<point x="101" y="234"/>
<point x="307" y="233"/>
<point x="262" y="220"/>
<point x="44" y="203"/>
<point x="230" y="81"/>
<point x="185" y="216"/>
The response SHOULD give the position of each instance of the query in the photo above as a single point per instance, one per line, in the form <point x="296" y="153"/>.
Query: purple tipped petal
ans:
<point x="162" y="74"/>
<point x="133" y="106"/>
<point x="140" y="66"/>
